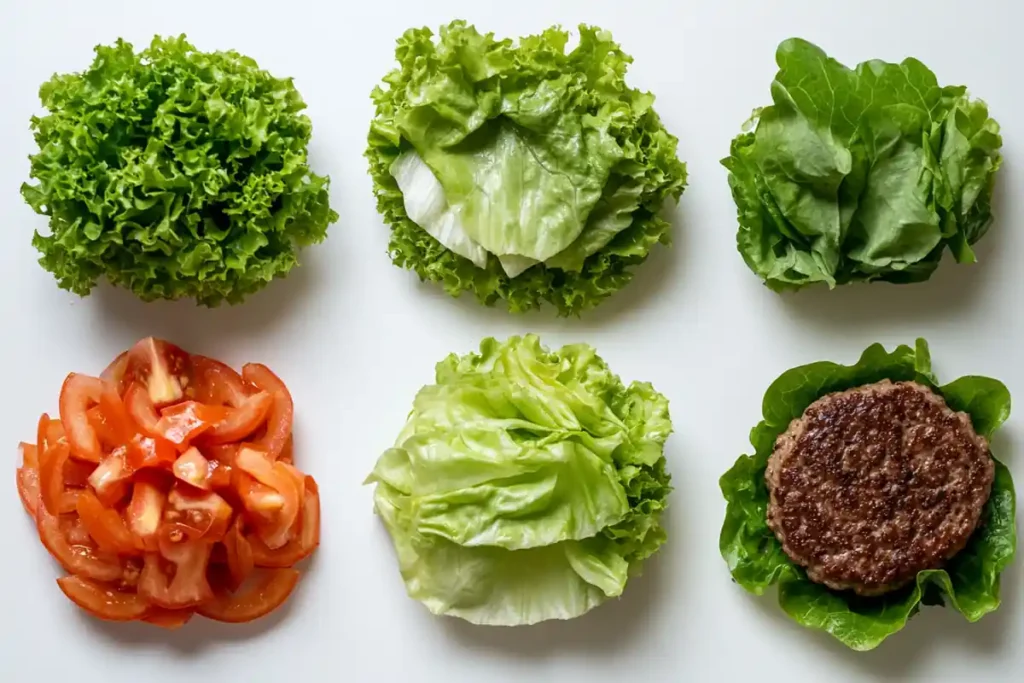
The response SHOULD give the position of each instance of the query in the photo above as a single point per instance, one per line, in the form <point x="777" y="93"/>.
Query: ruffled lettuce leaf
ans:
<point x="526" y="485"/>
<point x="861" y="174"/>
<point x="969" y="582"/>
<point x="174" y="173"/>
<point x="545" y="156"/>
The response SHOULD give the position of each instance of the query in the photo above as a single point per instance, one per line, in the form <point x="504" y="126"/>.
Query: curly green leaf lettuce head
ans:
<point x="520" y="172"/>
<point x="174" y="173"/>
<point x="969" y="582"/>
<point x="860" y="175"/>
<point x="526" y="485"/>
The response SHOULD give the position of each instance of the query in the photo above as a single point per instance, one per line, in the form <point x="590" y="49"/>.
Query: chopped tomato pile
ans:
<point x="167" y="488"/>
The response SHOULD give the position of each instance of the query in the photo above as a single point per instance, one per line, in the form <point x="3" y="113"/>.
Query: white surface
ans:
<point x="355" y="337"/>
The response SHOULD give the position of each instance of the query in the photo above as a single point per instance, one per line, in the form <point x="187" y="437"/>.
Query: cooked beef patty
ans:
<point x="874" y="484"/>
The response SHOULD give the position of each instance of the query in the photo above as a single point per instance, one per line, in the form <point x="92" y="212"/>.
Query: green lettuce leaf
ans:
<point x="863" y="174"/>
<point x="174" y="173"/>
<point x="545" y="156"/>
<point x="526" y="485"/>
<point x="970" y="581"/>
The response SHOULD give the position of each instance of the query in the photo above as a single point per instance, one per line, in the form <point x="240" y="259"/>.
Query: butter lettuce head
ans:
<point x="520" y="172"/>
<point x="175" y="174"/>
<point x="969" y="583"/>
<point x="527" y="484"/>
<point x="854" y="175"/>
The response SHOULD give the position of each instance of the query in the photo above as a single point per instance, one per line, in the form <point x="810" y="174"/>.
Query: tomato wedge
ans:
<point x="78" y="559"/>
<point x="150" y="451"/>
<point x="276" y="530"/>
<point x="239" y="555"/>
<point x="28" y="479"/>
<point x="302" y="544"/>
<point x="272" y="588"/>
<point x="192" y="468"/>
<point x="162" y="368"/>
<point x="184" y="421"/>
<point x="48" y="433"/>
<point x="141" y="409"/>
<point x="105" y="526"/>
<point x="77" y="472"/>
<point x="111" y="477"/>
<point x="102" y="601"/>
<point x="242" y="421"/>
<point x="145" y="512"/>
<point x="217" y="384"/>
<point x="204" y="513"/>
<point x="189" y="586"/>
<point x="51" y="476"/>
<point x="114" y="373"/>
<point x="279" y="421"/>
<point x="77" y="396"/>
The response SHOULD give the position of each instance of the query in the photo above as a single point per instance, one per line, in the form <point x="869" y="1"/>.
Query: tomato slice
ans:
<point x="272" y="588"/>
<point x="111" y="478"/>
<point x="217" y="384"/>
<point x="145" y="512"/>
<point x="161" y="367"/>
<point x="204" y="513"/>
<point x="150" y="451"/>
<point x="28" y="479"/>
<point x="78" y="559"/>
<point x="279" y="420"/>
<point x="239" y="555"/>
<point x="105" y="526"/>
<point x="51" y="476"/>
<point x="189" y="586"/>
<point x="114" y="373"/>
<point x="288" y="454"/>
<point x="49" y="432"/>
<point x="184" y="421"/>
<point x="275" y="475"/>
<point x="170" y="619"/>
<point x="102" y="601"/>
<point x="77" y="472"/>
<point x="302" y="544"/>
<point x="192" y="468"/>
<point x="69" y="500"/>
<point x="242" y="421"/>
<point x="141" y="409"/>
<point x="77" y="396"/>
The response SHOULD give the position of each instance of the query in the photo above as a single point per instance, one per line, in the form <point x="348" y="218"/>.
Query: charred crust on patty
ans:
<point x="874" y="484"/>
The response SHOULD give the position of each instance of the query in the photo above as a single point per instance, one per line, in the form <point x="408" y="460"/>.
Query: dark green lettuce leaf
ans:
<point x="174" y="173"/>
<point x="565" y="125"/>
<point x="969" y="582"/>
<point x="862" y="174"/>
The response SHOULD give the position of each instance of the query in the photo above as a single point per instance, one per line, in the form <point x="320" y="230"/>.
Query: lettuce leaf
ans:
<point x="970" y="581"/>
<point x="526" y="485"/>
<point x="550" y="161"/>
<point x="863" y="174"/>
<point x="174" y="173"/>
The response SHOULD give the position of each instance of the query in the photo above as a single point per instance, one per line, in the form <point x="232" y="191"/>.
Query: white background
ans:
<point x="355" y="338"/>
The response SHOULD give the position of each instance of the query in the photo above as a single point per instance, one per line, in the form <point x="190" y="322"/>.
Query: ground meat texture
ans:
<point x="874" y="484"/>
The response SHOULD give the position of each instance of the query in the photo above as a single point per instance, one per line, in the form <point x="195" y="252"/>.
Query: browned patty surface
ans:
<point x="874" y="484"/>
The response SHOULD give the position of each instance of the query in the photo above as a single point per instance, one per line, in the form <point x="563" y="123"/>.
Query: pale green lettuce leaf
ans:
<point x="526" y="484"/>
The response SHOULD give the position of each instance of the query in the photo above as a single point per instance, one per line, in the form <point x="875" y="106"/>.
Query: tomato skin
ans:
<point x="239" y="555"/>
<point x="304" y="542"/>
<point x="141" y="410"/>
<point x="279" y="421"/>
<point x="101" y="601"/>
<point x="51" y="476"/>
<point x="272" y="590"/>
<point x="162" y="368"/>
<point x="79" y="560"/>
<point x="242" y="421"/>
<point x="28" y="489"/>
<point x="218" y="384"/>
<point x="183" y="422"/>
<point x="49" y="432"/>
<point x="114" y="373"/>
<point x="105" y="526"/>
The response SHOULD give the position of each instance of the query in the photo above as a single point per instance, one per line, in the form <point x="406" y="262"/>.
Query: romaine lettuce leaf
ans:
<point x="862" y="174"/>
<point x="526" y="485"/>
<point x="550" y="162"/>
<point x="970" y="581"/>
